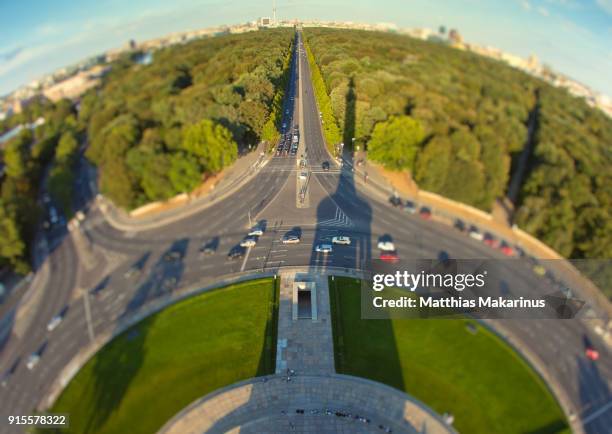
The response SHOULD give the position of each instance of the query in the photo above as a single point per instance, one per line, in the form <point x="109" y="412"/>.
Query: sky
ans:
<point x="574" y="37"/>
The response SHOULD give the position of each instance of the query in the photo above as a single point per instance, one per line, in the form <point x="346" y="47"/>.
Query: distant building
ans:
<point x="76" y="85"/>
<point x="265" y="22"/>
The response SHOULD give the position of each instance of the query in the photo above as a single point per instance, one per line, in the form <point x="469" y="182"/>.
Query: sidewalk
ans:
<point x="234" y="177"/>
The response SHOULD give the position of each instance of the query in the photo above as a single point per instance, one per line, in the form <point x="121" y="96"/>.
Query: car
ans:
<point x="169" y="283"/>
<point x="591" y="353"/>
<point x="506" y="249"/>
<point x="390" y="256"/>
<point x="425" y="213"/>
<point x="209" y="247"/>
<point x="33" y="361"/>
<point x="131" y="272"/>
<point x="410" y="207"/>
<point x="290" y="239"/>
<point x="489" y="239"/>
<point x="325" y="166"/>
<point x="173" y="256"/>
<point x="57" y="319"/>
<point x="459" y="225"/>
<point x="395" y="201"/>
<point x="323" y="248"/>
<point x="303" y="175"/>
<point x="256" y="232"/>
<point x="475" y="233"/>
<point x="345" y="241"/>
<point x="9" y="372"/>
<point x="539" y="270"/>
<point x="236" y="252"/>
<point x="386" y="246"/>
<point x="34" y="358"/>
<point x="248" y="242"/>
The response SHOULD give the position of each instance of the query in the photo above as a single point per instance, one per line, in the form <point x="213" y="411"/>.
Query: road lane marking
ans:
<point x="597" y="413"/>
<point x="246" y="257"/>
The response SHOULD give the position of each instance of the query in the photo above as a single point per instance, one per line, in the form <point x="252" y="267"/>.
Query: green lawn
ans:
<point x="147" y="374"/>
<point x="471" y="373"/>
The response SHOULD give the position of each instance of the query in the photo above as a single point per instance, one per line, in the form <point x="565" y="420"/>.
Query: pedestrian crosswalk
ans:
<point x="340" y="220"/>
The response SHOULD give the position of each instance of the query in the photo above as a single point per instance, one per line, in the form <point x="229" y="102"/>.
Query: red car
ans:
<point x="425" y="213"/>
<point x="592" y="354"/>
<point x="506" y="249"/>
<point x="490" y="240"/>
<point x="389" y="257"/>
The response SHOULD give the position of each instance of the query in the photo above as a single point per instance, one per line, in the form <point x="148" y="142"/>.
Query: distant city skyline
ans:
<point x="573" y="37"/>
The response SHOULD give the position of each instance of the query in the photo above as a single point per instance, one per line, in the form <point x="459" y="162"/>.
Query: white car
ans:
<point x="345" y="241"/>
<point x="476" y="234"/>
<point x="33" y="361"/>
<point x="248" y="242"/>
<point x="324" y="248"/>
<point x="386" y="246"/>
<point x="55" y="321"/>
<point x="256" y="232"/>
<point x="303" y="175"/>
<point x="291" y="239"/>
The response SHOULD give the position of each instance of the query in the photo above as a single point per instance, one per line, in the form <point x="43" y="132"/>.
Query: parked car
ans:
<point x="386" y="246"/>
<point x="475" y="233"/>
<point x="323" y="248"/>
<point x="459" y="225"/>
<point x="395" y="201"/>
<point x="325" y="166"/>
<point x="425" y="213"/>
<point x="506" y="249"/>
<point x="346" y="241"/>
<point x="489" y="239"/>
<point x="410" y="207"/>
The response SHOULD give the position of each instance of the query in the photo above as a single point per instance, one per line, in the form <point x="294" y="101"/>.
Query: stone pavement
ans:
<point x="304" y="345"/>
<point x="307" y="404"/>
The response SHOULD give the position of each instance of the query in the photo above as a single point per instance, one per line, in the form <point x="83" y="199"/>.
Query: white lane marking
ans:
<point x="246" y="257"/>
<point x="597" y="413"/>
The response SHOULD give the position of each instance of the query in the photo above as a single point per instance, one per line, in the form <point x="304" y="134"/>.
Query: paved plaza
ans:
<point x="306" y="395"/>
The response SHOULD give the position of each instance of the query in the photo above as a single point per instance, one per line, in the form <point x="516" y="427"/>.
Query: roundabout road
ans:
<point x="98" y="258"/>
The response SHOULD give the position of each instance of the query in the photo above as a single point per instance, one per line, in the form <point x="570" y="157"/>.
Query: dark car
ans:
<point x="459" y="225"/>
<point x="395" y="201"/>
<point x="236" y="252"/>
<point x="325" y="166"/>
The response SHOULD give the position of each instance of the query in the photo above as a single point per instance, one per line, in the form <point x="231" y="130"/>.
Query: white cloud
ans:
<point x="526" y="5"/>
<point x="543" y="11"/>
<point x="606" y="5"/>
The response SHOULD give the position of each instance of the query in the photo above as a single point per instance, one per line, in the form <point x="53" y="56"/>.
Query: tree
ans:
<point x="395" y="142"/>
<point x="12" y="247"/>
<point x="185" y="172"/>
<point x="211" y="143"/>
<point x="67" y="148"/>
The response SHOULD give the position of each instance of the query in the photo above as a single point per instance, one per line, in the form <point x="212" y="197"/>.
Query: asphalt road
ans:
<point x="339" y="205"/>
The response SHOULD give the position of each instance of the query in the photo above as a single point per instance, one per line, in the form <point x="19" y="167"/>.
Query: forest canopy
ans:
<point x="157" y="130"/>
<point x="474" y="113"/>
